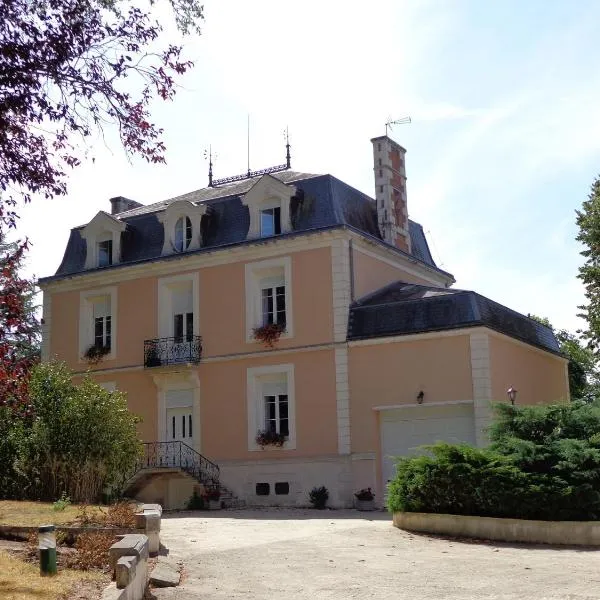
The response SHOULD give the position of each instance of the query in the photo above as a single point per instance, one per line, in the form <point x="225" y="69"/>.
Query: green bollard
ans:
<point x="47" y="547"/>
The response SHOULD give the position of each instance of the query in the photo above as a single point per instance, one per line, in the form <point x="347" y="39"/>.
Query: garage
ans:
<point x="404" y="429"/>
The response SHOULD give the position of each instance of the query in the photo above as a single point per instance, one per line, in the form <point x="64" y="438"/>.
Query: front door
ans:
<point x="180" y="428"/>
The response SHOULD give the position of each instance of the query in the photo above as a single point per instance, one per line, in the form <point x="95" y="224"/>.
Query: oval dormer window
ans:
<point x="183" y="234"/>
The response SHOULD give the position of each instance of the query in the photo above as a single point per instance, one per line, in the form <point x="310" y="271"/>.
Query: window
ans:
<point x="105" y="253"/>
<point x="183" y="234"/>
<point x="269" y="297"/>
<point x="183" y="325"/>
<point x="273" y="305"/>
<point x="98" y="321"/>
<point x="271" y="404"/>
<point x="276" y="414"/>
<point x="270" y="222"/>
<point x="263" y="489"/>
<point x="102" y="332"/>
<point x="101" y="314"/>
<point x="282" y="488"/>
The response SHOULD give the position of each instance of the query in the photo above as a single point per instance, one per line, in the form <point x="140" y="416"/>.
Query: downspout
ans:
<point x="351" y="263"/>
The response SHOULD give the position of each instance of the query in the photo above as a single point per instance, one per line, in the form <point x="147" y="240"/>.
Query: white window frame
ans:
<point x="270" y="205"/>
<point x="177" y="210"/>
<point x="255" y="273"/>
<point x="101" y="240"/>
<point x="87" y="336"/>
<point x="257" y="378"/>
<point x="165" y="303"/>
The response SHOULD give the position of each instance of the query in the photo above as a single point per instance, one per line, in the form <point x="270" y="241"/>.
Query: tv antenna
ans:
<point x="402" y="121"/>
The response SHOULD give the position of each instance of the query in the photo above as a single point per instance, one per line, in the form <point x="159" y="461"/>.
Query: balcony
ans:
<point x="162" y="352"/>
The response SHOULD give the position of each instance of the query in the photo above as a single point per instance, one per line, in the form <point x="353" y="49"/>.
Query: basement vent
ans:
<point x="282" y="488"/>
<point x="263" y="489"/>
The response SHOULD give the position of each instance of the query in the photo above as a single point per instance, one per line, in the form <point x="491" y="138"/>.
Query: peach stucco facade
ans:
<point x="537" y="375"/>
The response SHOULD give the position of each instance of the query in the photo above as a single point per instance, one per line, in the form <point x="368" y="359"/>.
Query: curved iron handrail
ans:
<point x="177" y="454"/>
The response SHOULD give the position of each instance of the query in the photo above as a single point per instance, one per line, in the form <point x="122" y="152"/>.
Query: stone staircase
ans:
<point x="161" y="457"/>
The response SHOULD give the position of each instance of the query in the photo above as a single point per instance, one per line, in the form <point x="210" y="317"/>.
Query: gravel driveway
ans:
<point x="344" y="554"/>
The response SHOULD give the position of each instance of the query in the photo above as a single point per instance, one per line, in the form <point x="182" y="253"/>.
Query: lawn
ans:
<point x="21" y="580"/>
<point x="36" y="513"/>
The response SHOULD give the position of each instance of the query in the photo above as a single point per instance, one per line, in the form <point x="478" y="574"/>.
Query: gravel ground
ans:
<point x="307" y="554"/>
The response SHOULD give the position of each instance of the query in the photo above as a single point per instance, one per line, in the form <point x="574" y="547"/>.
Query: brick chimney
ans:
<point x="121" y="204"/>
<point x="390" y="191"/>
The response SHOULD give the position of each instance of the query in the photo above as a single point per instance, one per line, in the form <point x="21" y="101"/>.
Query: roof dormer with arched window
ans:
<point x="181" y="223"/>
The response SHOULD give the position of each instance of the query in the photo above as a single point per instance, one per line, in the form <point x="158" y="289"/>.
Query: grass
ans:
<point x="21" y="581"/>
<point x="36" y="513"/>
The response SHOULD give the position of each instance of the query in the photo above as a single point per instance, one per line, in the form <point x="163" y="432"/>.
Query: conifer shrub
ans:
<point x="543" y="463"/>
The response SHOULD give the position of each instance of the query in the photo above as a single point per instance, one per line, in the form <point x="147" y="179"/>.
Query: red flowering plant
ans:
<point x="270" y="438"/>
<point x="268" y="334"/>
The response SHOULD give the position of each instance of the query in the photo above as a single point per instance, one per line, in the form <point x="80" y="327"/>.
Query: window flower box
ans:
<point x="270" y="438"/>
<point x="268" y="334"/>
<point x="94" y="354"/>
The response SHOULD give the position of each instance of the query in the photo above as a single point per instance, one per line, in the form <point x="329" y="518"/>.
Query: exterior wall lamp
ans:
<point x="421" y="397"/>
<point x="511" y="392"/>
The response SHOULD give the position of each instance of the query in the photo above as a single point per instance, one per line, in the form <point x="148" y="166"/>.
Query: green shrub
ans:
<point x="544" y="463"/>
<point x="196" y="502"/>
<point x="318" y="497"/>
<point x="62" y="502"/>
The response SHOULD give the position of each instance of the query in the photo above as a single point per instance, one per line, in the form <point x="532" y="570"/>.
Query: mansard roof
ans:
<point x="404" y="308"/>
<point x="320" y="202"/>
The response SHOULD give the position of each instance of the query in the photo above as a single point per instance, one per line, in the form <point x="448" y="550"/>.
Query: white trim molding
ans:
<point x="268" y="192"/>
<point x="340" y="276"/>
<point x="255" y="272"/>
<point x="342" y="391"/>
<point x="482" y="385"/>
<point x="86" y="320"/>
<point x="175" y="211"/>
<point x="102" y="227"/>
<point x="178" y="381"/>
<point x="256" y="378"/>
<point x="166" y="285"/>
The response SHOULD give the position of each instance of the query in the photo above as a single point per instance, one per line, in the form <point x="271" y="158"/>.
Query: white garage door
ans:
<point x="404" y="430"/>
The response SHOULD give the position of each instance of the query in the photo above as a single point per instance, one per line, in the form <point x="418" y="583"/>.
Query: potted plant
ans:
<point x="94" y="354"/>
<point x="270" y="438"/>
<point x="268" y="334"/>
<point x="365" y="499"/>
<point x="212" y="498"/>
<point x="318" y="497"/>
<point x="152" y="356"/>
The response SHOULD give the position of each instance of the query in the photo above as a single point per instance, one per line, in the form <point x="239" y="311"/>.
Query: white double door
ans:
<point x="179" y="423"/>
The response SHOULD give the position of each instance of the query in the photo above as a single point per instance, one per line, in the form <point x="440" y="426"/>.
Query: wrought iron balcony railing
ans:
<point x="172" y="350"/>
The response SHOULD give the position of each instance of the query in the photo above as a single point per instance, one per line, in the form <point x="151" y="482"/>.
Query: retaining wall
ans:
<point x="572" y="533"/>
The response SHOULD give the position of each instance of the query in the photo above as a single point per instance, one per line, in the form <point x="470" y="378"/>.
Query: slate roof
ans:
<point x="321" y="202"/>
<point x="403" y="308"/>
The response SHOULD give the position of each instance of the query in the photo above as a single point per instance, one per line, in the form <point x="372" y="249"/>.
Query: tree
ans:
<point x="588" y="221"/>
<point x="69" y="69"/>
<point x="584" y="375"/>
<point x="19" y="330"/>
<point x="82" y="440"/>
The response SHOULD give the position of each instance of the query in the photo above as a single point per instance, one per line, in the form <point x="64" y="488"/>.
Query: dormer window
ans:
<point x="181" y="221"/>
<point x="183" y="234"/>
<point x="105" y="253"/>
<point x="102" y="236"/>
<point x="270" y="221"/>
<point x="268" y="202"/>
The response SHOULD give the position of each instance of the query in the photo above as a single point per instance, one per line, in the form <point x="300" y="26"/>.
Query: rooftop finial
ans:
<point x="389" y="123"/>
<point x="208" y="156"/>
<point x="288" y="158"/>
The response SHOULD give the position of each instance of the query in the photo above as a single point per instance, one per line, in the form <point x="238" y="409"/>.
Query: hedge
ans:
<point x="543" y="463"/>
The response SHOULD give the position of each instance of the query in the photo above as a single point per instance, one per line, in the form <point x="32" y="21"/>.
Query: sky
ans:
<point x="503" y="144"/>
